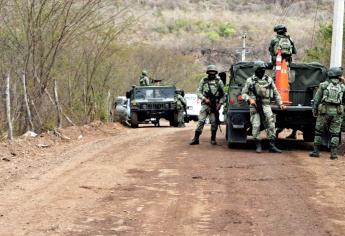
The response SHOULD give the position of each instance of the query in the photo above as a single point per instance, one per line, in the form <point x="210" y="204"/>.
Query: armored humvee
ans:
<point x="148" y="104"/>
<point x="303" y="79"/>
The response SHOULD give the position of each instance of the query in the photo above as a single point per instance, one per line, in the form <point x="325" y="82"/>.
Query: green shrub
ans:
<point x="225" y="30"/>
<point x="213" y="36"/>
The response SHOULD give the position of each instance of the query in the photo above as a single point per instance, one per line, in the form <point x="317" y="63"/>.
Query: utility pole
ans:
<point x="337" y="34"/>
<point x="244" y="36"/>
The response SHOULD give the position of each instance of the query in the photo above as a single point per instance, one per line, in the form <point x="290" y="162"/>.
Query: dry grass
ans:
<point x="256" y="18"/>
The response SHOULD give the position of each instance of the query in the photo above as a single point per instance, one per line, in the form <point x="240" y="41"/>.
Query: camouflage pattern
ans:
<point x="267" y="95"/>
<point x="144" y="80"/>
<point x="273" y="46"/>
<point x="214" y="87"/>
<point x="180" y="107"/>
<point x="256" y="122"/>
<point x="329" y="115"/>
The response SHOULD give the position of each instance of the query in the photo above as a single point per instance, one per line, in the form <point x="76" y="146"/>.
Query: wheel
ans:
<point x="308" y="135"/>
<point x="134" y="120"/>
<point x="173" y="120"/>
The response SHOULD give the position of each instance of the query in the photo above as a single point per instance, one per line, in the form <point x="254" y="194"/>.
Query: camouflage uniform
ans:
<point x="143" y="79"/>
<point x="217" y="91"/>
<point x="261" y="88"/>
<point x="210" y="88"/>
<point x="180" y="107"/>
<point x="281" y="35"/>
<point x="328" y="107"/>
<point x="271" y="92"/>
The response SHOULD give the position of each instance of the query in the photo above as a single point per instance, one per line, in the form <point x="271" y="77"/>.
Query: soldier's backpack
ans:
<point x="285" y="44"/>
<point x="333" y="93"/>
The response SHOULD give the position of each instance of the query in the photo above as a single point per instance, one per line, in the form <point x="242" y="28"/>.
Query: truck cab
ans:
<point x="303" y="80"/>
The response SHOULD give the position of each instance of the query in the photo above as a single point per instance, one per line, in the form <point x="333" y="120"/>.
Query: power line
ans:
<point x="316" y="13"/>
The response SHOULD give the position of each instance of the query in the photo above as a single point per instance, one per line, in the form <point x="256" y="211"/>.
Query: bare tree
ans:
<point x="8" y="106"/>
<point x="26" y="103"/>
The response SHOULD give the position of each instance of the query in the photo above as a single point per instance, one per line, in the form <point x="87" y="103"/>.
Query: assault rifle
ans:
<point x="214" y="102"/>
<point x="259" y="108"/>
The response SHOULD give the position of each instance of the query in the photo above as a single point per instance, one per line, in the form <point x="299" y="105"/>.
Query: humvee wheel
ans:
<point x="174" y="121"/>
<point x="134" y="120"/>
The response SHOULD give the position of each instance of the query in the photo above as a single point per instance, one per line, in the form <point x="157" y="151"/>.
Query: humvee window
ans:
<point x="151" y="93"/>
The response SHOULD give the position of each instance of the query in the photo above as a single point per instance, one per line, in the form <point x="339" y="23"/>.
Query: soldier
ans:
<point x="143" y="79"/>
<point x="258" y="91"/>
<point x="211" y="94"/>
<point x="181" y="106"/>
<point x="329" y="109"/>
<point x="284" y="42"/>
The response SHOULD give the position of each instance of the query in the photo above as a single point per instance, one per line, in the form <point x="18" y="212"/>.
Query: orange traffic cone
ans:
<point x="282" y="78"/>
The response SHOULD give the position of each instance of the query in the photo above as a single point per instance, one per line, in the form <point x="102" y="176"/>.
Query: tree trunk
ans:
<point x="57" y="104"/>
<point x="30" y="125"/>
<point x="108" y="105"/>
<point x="8" y="106"/>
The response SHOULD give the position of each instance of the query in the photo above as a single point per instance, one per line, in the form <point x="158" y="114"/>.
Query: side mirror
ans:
<point x="128" y="94"/>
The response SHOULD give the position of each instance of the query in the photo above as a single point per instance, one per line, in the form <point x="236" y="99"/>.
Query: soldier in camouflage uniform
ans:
<point x="181" y="104"/>
<point x="329" y="109"/>
<point x="211" y="94"/>
<point x="261" y="86"/>
<point x="143" y="79"/>
<point x="283" y="41"/>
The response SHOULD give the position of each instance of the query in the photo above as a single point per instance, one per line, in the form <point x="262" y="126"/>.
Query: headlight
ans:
<point x="144" y="106"/>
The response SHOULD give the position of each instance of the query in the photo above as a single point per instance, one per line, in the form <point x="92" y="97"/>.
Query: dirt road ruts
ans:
<point x="149" y="181"/>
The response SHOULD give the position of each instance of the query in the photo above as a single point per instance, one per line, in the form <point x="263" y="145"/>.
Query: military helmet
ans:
<point x="211" y="68"/>
<point x="144" y="72"/>
<point x="335" y="72"/>
<point x="280" y="28"/>
<point x="178" y="91"/>
<point x="259" y="65"/>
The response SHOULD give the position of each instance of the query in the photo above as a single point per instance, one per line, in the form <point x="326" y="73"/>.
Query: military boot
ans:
<point x="195" y="140"/>
<point x="273" y="148"/>
<point x="315" y="152"/>
<point x="334" y="153"/>
<point x="213" y="137"/>
<point x="258" y="146"/>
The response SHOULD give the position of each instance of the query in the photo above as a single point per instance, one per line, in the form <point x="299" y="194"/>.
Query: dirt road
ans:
<point x="148" y="181"/>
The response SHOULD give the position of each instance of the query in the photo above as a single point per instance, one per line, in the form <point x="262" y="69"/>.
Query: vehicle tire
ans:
<point x="307" y="135"/>
<point x="173" y="120"/>
<point x="134" y="120"/>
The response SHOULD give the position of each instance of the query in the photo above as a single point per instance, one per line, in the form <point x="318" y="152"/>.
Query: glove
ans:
<point x="207" y="101"/>
<point x="252" y="102"/>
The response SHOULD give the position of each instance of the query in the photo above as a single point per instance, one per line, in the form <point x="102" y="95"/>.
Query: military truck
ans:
<point x="303" y="79"/>
<point x="148" y="104"/>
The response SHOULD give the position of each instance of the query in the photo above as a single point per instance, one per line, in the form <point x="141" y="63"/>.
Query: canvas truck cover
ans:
<point x="303" y="75"/>
<point x="303" y="79"/>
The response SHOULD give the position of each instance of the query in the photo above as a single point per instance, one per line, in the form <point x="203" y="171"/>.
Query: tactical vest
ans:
<point x="333" y="94"/>
<point x="263" y="88"/>
<point x="285" y="44"/>
<point x="211" y="88"/>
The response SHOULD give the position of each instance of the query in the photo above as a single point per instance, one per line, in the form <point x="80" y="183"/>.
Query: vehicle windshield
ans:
<point x="154" y="93"/>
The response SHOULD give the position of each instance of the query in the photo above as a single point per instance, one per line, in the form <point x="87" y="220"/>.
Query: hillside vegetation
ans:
<point x="67" y="60"/>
